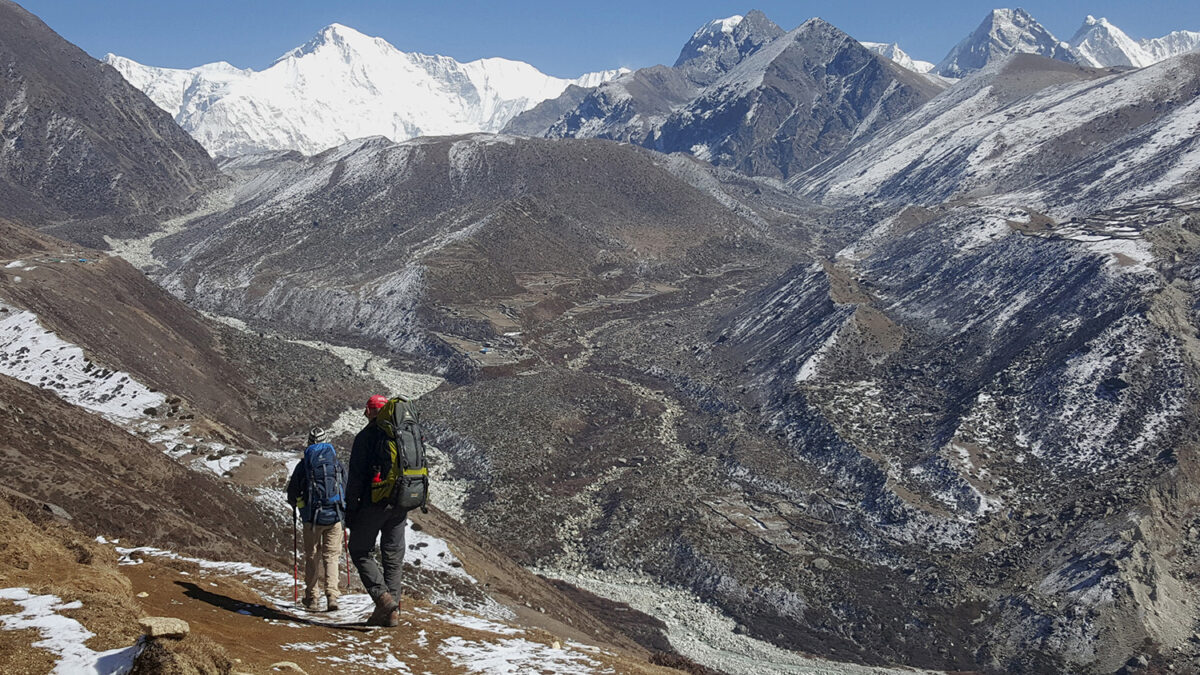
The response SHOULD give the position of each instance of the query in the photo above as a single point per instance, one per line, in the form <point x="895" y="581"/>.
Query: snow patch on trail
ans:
<point x="62" y="635"/>
<point x="495" y="647"/>
<point x="516" y="655"/>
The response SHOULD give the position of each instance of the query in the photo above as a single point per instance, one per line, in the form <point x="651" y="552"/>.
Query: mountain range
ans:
<point x="343" y="85"/>
<point x="823" y="356"/>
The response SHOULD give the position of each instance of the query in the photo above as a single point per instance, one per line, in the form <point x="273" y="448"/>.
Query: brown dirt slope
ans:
<point x="117" y="485"/>
<point x="126" y="322"/>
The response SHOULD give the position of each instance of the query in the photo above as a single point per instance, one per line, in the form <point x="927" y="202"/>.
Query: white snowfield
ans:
<point x="343" y="85"/>
<point x="63" y="636"/>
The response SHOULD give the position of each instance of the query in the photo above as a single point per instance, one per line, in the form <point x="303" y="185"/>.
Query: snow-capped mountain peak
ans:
<point x="893" y="51"/>
<point x="1098" y="43"/>
<point x="1002" y="32"/>
<point x="342" y="38"/>
<point x="1171" y="44"/>
<point x="341" y="85"/>
<point x="721" y="44"/>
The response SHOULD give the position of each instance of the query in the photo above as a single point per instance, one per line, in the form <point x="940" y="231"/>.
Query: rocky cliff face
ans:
<point x="80" y="145"/>
<point x="793" y="103"/>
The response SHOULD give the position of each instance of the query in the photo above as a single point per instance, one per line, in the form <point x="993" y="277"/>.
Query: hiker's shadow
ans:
<point x="225" y="602"/>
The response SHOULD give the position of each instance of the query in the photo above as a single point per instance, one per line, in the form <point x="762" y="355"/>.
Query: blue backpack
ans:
<point x="324" y="501"/>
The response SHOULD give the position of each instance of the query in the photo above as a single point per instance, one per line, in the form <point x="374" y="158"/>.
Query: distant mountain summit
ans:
<point x="1100" y="44"/>
<point x="721" y="44"/>
<point x="1172" y="44"/>
<point x="746" y="95"/>
<point x="1002" y="33"/>
<point x="342" y="85"/>
<point x="892" y="51"/>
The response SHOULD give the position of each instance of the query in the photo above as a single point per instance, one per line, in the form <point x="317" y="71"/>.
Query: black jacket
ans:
<point x="363" y="466"/>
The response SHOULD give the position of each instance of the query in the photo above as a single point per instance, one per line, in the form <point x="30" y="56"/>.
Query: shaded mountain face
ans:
<point x="83" y="151"/>
<point x="722" y="44"/>
<point x="1003" y="32"/>
<point x="793" y="103"/>
<point x="746" y="96"/>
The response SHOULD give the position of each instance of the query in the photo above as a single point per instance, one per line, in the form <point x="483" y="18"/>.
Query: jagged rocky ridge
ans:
<point x="747" y="96"/>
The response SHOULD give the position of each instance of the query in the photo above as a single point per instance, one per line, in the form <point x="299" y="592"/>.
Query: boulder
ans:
<point x="162" y="626"/>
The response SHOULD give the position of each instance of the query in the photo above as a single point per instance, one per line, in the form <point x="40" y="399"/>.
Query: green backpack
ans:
<point x="402" y="479"/>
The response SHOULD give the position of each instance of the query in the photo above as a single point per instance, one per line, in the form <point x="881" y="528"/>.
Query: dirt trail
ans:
<point x="257" y="629"/>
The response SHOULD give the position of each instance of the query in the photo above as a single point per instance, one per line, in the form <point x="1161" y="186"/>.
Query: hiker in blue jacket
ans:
<point x="317" y="488"/>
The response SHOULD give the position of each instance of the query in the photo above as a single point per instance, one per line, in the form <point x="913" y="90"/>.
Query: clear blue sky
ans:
<point x="560" y="37"/>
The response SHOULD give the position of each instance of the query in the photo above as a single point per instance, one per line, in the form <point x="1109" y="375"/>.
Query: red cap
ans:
<point x="376" y="402"/>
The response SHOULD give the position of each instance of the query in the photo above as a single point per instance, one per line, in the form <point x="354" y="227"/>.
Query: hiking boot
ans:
<point x="393" y="619"/>
<point x="331" y="605"/>
<point x="384" y="606"/>
<point x="310" y="605"/>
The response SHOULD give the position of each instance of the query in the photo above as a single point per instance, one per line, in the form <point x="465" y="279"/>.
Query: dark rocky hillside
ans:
<point x="82" y="153"/>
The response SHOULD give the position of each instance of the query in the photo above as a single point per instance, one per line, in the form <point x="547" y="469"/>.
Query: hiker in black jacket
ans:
<point x="367" y="520"/>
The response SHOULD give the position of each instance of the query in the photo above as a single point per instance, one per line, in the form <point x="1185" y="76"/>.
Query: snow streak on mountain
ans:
<point x="343" y="85"/>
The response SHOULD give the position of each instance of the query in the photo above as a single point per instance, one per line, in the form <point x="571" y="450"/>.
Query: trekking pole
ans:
<point x="346" y="541"/>
<point x="295" y="562"/>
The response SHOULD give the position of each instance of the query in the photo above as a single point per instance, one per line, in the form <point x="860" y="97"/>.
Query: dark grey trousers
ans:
<point x="387" y="523"/>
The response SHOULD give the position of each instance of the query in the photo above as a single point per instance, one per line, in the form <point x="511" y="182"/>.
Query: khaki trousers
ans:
<point x="322" y="551"/>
